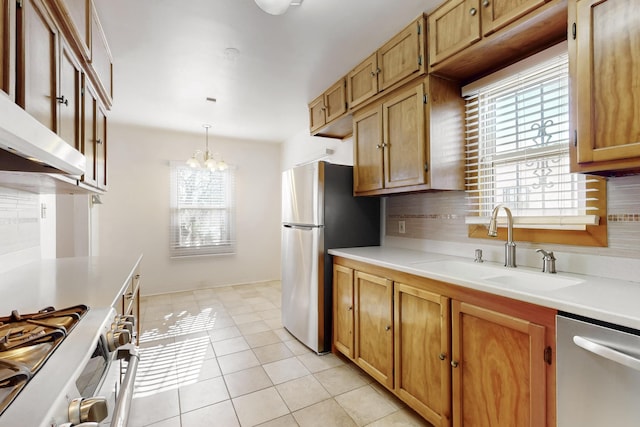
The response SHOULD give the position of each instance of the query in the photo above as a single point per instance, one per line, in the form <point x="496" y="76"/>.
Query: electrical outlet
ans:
<point x="401" y="228"/>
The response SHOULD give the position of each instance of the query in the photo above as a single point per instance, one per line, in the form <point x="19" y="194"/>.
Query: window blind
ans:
<point x="202" y="211"/>
<point x="517" y="149"/>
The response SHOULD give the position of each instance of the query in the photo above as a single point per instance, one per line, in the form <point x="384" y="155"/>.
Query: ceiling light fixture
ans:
<point x="209" y="160"/>
<point x="277" y="7"/>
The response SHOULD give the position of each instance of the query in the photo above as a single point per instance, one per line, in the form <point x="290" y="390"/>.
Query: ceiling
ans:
<point x="170" y="55"/>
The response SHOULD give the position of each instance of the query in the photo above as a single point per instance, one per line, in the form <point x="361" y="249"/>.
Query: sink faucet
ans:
<point x="510" y="246"/>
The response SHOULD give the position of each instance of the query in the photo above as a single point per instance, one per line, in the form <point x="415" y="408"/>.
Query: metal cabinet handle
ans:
<point x="373" y="73"/>
<point x="607" y="352"/>
<point x="485" y="3"/>
<point x="442" y="356"/>
<point x="128" y="295"/>
<point x="473" y="11"/>
<point x="454" y="363"/>
<point x="387" y="328"/>
<point x="98" y="141"/>
<point x="379" y="146"/>
<point x="62" y="100"/>
<point x="350" y="308"/>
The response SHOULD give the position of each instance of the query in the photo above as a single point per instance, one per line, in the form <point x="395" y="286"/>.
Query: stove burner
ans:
<point x="27" y="341"/>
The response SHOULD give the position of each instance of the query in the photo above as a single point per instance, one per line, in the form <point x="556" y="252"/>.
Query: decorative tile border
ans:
<point x="425" y="216"/>
<point x="623" y="217"/>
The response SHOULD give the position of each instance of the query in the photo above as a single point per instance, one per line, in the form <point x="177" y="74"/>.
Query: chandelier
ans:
<point x="209" y="161"/>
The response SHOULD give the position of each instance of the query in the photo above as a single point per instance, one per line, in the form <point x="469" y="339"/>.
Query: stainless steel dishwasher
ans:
<point x="598" y="373"/>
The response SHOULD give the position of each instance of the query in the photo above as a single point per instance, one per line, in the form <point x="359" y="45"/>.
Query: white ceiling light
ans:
<point x="277" y="7"/>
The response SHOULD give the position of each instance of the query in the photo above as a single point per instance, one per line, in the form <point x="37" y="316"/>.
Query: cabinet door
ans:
<point x="77" y="13"/>
<point x="362" y="81"/>
<point x="343" y="310"/>
<point x="404" y="139"/>
<point x="374" y="326"/>
<point x="69" y="98"/>
<point x="335" y="101"/>
<point x="499" y="13"/>
<point x="37" y="53"/>
<point x="607" y="64"/>
<point x="88" y="129"/>
<point x="422" y="342"/>
<point x="400" y="57"/>
<point x="498" y="369"/>
<point x="453" y="27"/>
<point x="317" y="117"/>
<point x="101" y="60"/>
<point x="5" y="46"/>
<point x="101" y="147"/>
<point x="367" y="151"/>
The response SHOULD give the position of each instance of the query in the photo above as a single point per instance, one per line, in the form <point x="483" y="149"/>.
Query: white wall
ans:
<point x="134" y="216"/>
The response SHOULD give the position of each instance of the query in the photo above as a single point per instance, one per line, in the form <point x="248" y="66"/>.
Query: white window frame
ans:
<point x="484" y="177"/>
<point x="184" y="242"/>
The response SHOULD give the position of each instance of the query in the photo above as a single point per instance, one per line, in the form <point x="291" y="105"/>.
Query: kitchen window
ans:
<point x="202" y="211"/>
<point x="517" y="152"/>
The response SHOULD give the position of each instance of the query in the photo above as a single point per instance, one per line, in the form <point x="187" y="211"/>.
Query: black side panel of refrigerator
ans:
<point x="348" y="222"/>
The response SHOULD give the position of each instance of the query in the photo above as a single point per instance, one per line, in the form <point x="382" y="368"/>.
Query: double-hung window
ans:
<point x="517" y="148"/>
<point x="202" y="211"/>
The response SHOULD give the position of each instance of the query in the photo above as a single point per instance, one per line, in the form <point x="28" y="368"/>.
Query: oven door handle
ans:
<point x="120" y="418"/>
<point x="607" y="352"/>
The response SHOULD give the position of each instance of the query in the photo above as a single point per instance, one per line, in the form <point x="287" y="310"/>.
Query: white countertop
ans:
<point x="599" y="298"/>
<point x="63" y="282"/>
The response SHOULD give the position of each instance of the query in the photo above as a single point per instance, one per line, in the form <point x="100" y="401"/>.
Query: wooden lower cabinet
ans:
<point x="422" y="342"/>
<point x="498" y="369"/>
<point x="458" y="357"/>
<point x="343" y="310"/>
<point x="374" y="326"/>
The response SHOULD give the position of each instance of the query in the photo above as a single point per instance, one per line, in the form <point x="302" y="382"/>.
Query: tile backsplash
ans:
<point x="19" y="221"/>
<point x="440" y="216"/>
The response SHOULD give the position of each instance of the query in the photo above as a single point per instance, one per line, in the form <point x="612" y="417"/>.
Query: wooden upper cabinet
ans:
<point x="499" y="13"/>
<point x="76" y="23"/>
<point x="343" y="319"/>
<point x="335" y="100"/>
<point x="368" y="171"/>
<point x="101" y="60"/>
<point x="101" y="147"/>
<point x="317" y="117"/>
<point x="401" y="56"/>
<point x="69" y="115"/>
<point x="404" y="139"/>
<point x="399" y="59"/>
<point x="362" y="81"/>
<point x="7" y="41"/>
<point x="472" y="38"/>
<point x="511" y="353"/>
<point x="412" y="142"/>
<point x="374" y="326"/>
<point x="422" y="357"/>
<point x="605" y="92"/>
<point x="327" y="113"/>
<point x="88" y="129"/>
<point x="452" y="27"/>
<point x="37" y="63"/>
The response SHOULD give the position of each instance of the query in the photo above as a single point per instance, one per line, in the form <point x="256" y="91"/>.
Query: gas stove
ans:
<point x="66" y="368"/>
<point x="27" y="341"/>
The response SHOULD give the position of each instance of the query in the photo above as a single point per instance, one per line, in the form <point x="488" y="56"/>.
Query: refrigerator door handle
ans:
<point x="301" y="227"/>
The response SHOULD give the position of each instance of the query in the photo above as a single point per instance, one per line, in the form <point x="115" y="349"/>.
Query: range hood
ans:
<point x="29" y="146"/>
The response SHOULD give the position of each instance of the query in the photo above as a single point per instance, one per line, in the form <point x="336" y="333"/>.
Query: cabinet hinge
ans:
<point x="575" y="137"/>
<point x="419" y="59"/>
<point x="426" y="166"/>
<point x="19" y="4"/>
<point x="548" y="354"/>
<point x="425" y="98"/>
<point x="574" y="30"/>
<point x="419" y="29"/>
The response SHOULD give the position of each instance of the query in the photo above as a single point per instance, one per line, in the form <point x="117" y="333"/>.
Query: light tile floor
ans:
<point x="220" y="357"/>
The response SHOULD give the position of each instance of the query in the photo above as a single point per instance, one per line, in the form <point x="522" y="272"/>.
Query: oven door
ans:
<point x="115" y="388"/>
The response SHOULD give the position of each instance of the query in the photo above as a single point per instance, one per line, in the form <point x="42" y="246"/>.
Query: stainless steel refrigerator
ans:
<point x="319" y="212"/>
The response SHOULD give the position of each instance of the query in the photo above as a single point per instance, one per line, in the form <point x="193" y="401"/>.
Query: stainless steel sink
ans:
<point x="512" y="278"/>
